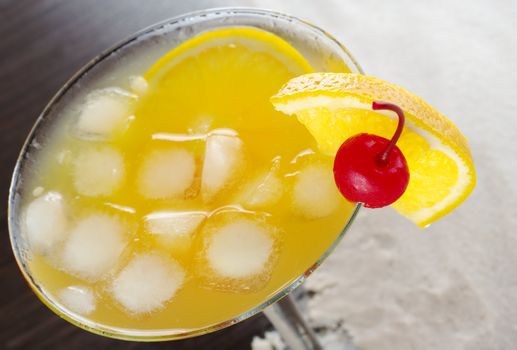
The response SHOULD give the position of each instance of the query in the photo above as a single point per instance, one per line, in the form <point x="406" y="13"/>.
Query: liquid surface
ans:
<point x="187" y="200"/>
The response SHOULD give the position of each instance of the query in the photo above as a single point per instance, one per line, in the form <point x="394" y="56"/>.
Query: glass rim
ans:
<point x="161" y="335"/>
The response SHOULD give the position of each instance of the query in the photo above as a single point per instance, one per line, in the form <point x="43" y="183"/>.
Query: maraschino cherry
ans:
<point x="371" y="169"/>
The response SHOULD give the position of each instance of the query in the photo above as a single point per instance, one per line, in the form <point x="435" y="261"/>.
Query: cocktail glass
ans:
<point x="322" y="51"/>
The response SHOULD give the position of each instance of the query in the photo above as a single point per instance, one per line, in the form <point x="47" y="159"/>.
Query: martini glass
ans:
<point x="324" y="54"/>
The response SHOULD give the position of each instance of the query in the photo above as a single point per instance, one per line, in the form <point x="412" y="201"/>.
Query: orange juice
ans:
<point x="180" y="199"/>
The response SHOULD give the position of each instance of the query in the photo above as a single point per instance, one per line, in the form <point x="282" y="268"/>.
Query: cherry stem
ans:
<point x="383" y="158"/>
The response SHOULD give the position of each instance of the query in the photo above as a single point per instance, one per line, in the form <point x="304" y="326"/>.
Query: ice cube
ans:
<point x="104" y="111"/>
<point x="94" y="246"/>
<point x="166" y="173"/>
<point x="239" y="249"/>
<point x="78" y="299"/>
<point x="147" y="283"/>
<point x="223" y="162"/>
<point x="173" y="222"/>
<point x="315" y="194"/>
<point x="98" y="172"/>
<point x="138" y="84"/>
<point x="264" y="190"/>
<point x="38" y="191"/>
<point x="201" y="124"/>
<point x="45" y="221"/>
<point x="63" y="156"/>
<point x="174" y="230"/>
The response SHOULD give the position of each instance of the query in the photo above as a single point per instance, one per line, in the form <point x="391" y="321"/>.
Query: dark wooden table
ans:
<point x="42" y="43"/>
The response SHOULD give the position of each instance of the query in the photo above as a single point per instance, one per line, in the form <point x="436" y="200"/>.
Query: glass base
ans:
<point x="288" y="321"/>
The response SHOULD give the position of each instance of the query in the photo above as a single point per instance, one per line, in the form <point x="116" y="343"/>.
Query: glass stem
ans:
<point x="287" y="320"/>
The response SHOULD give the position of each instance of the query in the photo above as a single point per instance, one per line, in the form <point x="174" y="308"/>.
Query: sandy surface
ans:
<point x="453" y="285"/>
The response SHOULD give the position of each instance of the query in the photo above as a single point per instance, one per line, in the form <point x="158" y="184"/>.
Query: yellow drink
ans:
<point x="204" y="106"/>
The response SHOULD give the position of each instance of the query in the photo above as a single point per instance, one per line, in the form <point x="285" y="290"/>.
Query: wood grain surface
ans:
<point x="42" y="43"/>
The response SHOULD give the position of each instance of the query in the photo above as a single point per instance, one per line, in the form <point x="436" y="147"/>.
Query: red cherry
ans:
<point x="371" y="169"/>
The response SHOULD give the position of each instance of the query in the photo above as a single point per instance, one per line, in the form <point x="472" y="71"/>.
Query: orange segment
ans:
<point x="242" y="65"/>
<point x="335" y="106"/>
<point x="219" y="79"/>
